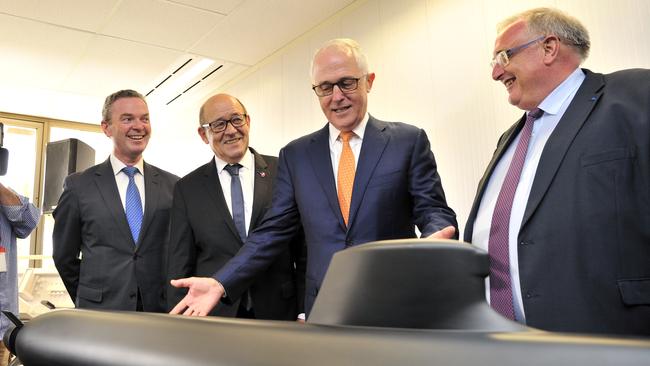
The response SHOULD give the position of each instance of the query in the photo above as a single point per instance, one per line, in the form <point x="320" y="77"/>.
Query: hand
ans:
<point x="203" y="295"/>
<point x="446" y="233"/>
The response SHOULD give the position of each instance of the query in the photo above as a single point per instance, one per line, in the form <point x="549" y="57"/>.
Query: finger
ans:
<point x="182" y="305"/>
<point x="446" y="233"/>
<point x="181" y="282"/>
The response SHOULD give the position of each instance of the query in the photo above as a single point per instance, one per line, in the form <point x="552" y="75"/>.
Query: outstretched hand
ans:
<point x="203" y="295"/>
<point x="446" y="233"/>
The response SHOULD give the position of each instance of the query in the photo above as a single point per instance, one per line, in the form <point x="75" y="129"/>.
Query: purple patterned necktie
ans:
<point x="500" y="284"/>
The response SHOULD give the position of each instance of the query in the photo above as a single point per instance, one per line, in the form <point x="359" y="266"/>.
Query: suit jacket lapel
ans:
<point x="560" y="140"/>
<point x="372" y="148"/>
<point x="502" y="146"/>
<point x="212" y="186"/>
<point x="319" y="154"/>
<point x="105" y="180"/>
<point x="263" y="187"/>
<point x="151" y="196"/>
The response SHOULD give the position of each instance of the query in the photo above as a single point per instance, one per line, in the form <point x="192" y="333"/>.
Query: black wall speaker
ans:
<point x="62" y="159"/>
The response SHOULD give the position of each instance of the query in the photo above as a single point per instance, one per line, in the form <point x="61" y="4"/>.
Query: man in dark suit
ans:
<point x="356" y="180"/>
<point x="112" y="220"/>
<point x="571" y="249"/>
<point x="204" y="228"/>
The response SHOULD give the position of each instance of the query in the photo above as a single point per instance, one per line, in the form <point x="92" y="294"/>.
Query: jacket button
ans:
<point x="135" y="257"/>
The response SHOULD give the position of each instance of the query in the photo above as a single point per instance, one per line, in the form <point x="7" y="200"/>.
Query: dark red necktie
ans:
<point x="500" y="284"/>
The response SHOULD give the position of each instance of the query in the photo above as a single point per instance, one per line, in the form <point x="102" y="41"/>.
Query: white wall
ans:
<point x="431" y="59"/>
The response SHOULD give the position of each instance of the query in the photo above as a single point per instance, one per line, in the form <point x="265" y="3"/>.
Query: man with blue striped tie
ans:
<point x="112" y="220"/>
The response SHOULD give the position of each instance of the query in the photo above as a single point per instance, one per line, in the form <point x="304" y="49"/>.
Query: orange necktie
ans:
<point x="345" y="178"/>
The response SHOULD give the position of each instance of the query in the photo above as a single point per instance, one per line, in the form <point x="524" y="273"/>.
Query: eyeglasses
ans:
<point x="502" y="58"/>
<point x="344" y="84"/>
<point x="236" y="120"/>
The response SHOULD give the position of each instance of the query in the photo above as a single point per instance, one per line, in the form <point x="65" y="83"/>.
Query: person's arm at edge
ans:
<point x="21" y="214"/>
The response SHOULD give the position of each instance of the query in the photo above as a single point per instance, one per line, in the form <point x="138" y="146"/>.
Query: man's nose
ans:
<point x="337" y="93"/>
<point x="230" y="129"/>
<point x="497" y="71"/>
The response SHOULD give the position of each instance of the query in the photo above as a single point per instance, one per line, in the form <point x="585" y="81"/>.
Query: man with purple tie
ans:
<point x="564" y="206"/>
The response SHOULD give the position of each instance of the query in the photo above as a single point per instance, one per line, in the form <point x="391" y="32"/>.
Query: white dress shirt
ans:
<point x="122" y="179"/>
<point x="554" y="106"/>
<point x="247" y="179"/>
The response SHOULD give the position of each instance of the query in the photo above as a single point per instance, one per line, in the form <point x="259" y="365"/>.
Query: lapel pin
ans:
<point x="593" y="99"/>
<point x="262" y="174"/>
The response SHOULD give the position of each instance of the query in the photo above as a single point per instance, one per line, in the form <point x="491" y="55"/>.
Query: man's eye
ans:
<point x="346" y="83"/>
<point x="326" y="86"/>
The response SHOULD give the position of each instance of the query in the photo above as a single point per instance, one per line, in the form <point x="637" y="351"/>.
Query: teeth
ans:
<point x="509" y="82"/>
<point x="136" y="137"/>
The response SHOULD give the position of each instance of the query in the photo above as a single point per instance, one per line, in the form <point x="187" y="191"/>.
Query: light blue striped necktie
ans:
<point x="133" y="203"/>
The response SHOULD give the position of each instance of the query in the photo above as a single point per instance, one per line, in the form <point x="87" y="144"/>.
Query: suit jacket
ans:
<point x="396" y="187"/>
<point x="204" y="238"/>
<point x="90" y="219"/>
<point x="584" y="242"/>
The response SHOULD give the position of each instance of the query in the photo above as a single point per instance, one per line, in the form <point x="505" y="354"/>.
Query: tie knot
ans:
<point x="346" y="135"/>
<point x="130" y="171"/>
<point x="535" y="114"/>
<point x="232" y="169"/>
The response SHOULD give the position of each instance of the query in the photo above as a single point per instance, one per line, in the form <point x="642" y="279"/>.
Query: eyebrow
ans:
<point x="132" y="115"/>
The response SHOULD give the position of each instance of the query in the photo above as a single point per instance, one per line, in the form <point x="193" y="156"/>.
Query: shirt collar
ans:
<point x="244" y="162"/>
<point x="554" y="101"/>
<point x="359" y="130"/>
<point x="118" y="165"/>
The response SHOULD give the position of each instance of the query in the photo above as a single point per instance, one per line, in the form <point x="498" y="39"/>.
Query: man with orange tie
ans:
<point x="356" y="180"/>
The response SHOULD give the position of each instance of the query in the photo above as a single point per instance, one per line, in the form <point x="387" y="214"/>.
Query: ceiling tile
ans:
<point x="258" y="28"/>
<point x="78" y="14"/>
<point x="43" y="56"/>
<point x="218" y="6"/>
<point x="112" y="64"/>
<point x="160" y="23"/>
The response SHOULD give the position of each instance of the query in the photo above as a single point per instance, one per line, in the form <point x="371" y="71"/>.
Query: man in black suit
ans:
<point x="205" y="231"/>
<point x="576" y="235"/>
<point x="112" y="220"/>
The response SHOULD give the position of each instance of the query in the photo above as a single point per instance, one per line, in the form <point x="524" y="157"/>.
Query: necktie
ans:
<point x="500" y="283"/>
<point x="237" y="197"/>
<point x="345" y="175"/>
<point x="238" y="216"/>
<point x="133" y="203"/>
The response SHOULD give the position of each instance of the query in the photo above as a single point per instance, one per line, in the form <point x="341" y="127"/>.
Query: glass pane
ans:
<point x="21" y="143"/>
<point x="102" y="146"/>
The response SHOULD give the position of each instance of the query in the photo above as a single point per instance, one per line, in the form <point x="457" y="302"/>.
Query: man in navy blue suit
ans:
<point x="388" y="169"/>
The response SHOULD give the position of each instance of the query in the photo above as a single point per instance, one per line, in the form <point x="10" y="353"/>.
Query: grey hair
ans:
<point x="348" y="46"/>
<point x="549" y="21"/>
<point x="108" y="103"/>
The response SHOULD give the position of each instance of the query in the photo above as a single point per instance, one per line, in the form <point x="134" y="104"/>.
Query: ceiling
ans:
<point x="68" y="52"/>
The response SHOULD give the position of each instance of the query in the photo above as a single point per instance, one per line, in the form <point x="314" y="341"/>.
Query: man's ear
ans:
<point x="369" y="80"/>
<point x="105" y="129"/>
<point x="551" y="46"/>
<point x="203" y="133"/>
